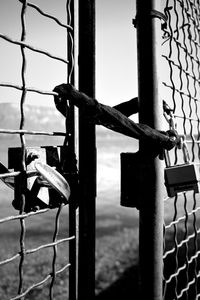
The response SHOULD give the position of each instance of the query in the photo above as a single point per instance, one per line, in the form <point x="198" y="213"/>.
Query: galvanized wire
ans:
<point x="31" y="132"/>
<point x="28" y="89"/>
<point x="181" y="90"/>
<point x="55" y="235"/>
<point x="23" y="146"/>
<point x="31" y="251"/>
<point x="32" y="48"/>
<point x="41" y="283"/>
<point x="37" y="8"/>
<point x="23" y="174"/>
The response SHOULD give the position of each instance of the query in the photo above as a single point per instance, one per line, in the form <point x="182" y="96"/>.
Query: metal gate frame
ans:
<point x="184" y="88"/>
<point x="87" y="155"/>
<point x="148" y="25"/>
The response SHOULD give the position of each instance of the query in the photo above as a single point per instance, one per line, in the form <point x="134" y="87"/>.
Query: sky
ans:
<point x="116" y="64"/>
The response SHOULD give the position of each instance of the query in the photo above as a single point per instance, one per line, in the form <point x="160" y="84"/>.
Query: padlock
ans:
<point x="182" y="177"/>
<point x="36" y="195"/>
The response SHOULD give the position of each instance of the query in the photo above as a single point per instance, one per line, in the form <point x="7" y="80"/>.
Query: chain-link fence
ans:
<point x="181" y="91"/>
<point x="52" y="258"/>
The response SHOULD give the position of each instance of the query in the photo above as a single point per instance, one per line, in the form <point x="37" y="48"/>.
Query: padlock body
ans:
<point x="180" y="178"/>
<point x="130" y="179"/>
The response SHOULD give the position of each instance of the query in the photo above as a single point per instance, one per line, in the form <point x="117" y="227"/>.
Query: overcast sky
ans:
<point x="116" y="74"/>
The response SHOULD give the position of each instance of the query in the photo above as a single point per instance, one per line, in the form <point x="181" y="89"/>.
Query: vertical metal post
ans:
<point x="87" y="154"/>
<point x="150" y="112"/>
<point x="70" y="7"/>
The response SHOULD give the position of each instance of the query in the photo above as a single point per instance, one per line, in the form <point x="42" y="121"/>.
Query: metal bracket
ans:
<point x="155" y="14"/>
<point x="131" y="179"/>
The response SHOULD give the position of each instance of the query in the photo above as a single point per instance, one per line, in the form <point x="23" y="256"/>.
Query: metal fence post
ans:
<point x="71" y="72"/>
<point x="150" y="112"/>
<point x="87" y="154"/>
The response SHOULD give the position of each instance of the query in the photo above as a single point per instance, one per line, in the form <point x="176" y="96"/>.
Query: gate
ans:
<point x="168" y="67"/>
<point x="61" y="254"/>
<point x="180" y="54"/>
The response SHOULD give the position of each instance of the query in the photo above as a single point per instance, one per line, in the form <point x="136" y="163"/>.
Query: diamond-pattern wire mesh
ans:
<point x="181" y="90"/>
<point x="19" y="285"/>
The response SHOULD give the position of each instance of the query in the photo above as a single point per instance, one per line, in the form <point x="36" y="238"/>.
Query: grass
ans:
<point x="115" y="257"/>
<point x="116" y="250"/>
<point x="39" y="230"/>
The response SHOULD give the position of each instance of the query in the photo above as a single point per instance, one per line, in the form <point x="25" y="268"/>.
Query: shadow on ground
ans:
<point x="182" y="266"/>
<point x="126" y="286"/>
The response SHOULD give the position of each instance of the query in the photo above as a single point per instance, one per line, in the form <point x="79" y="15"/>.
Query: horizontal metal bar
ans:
<point x="27" y="89"/>
<point x="48" y="16"/>
<point x="24" y="216"/>
<point x="17" y="173"/>
<point x="23" y="131"/>
<point x="50" y="245"/>
<point x="30" y="251"/>
<point x="10" y="174"/>
<point x="8" y="260"/>
<point x="187" y="118"/>
<point x="30" y="47"/>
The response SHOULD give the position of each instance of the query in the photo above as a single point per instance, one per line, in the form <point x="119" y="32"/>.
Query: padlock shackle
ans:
<point x="169" y="116"/>
<point x="167" y="158"/>
<point x="186" y="155"/>
<point x="181" y="145"/>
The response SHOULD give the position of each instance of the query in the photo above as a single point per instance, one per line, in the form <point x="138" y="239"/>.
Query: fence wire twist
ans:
<point x="21" y="255"/>
<point x="181" y="90"/>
